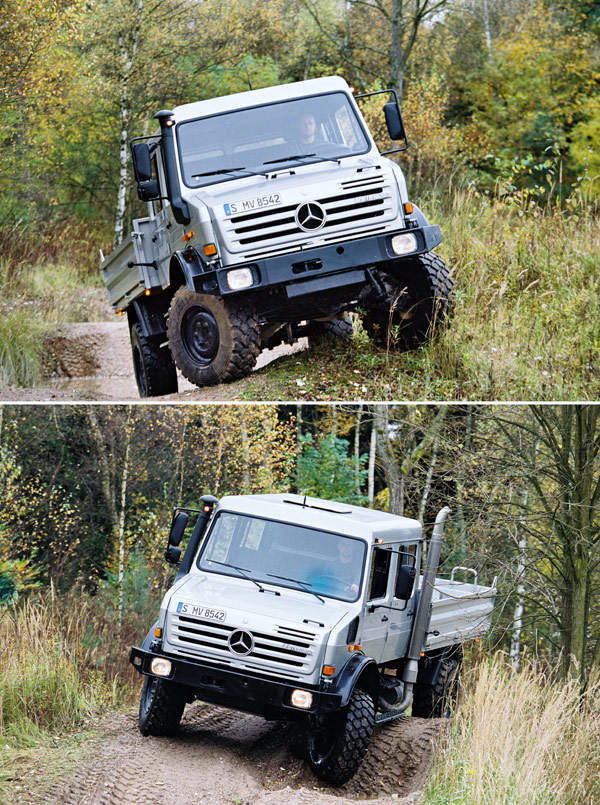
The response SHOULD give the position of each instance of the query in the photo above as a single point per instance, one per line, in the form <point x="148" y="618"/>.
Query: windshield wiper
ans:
<point x="285" y="159"/>
<point x="305" y="584"/>
<point x="243" y="570"/>
<point x="217" y="172"/>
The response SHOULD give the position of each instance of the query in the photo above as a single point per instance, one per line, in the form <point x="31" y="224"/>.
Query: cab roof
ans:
<point x="256" y="97"/>
<point x="327" y="515"/>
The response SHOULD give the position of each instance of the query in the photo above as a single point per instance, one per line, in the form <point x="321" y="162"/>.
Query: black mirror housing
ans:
<point x="178" y="524"/>
<point x="405" y="581"/>
<point x="394" y="122"/>
<point x="142" y="164"/>
<point x="148" y="191"/>
<point x="173" y="555"/>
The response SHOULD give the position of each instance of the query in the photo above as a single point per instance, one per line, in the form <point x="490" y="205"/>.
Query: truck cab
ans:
<point x="304" y="609"/>
<point x="271" y="214"/>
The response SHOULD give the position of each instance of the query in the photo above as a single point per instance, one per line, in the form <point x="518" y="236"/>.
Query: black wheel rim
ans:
<point x="322" y="739"/>
<point x="138" y="368"/>
<point x="200" y="335"/>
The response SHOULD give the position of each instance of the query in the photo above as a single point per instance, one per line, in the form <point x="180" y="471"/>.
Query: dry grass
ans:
<point x="520" y="739"/>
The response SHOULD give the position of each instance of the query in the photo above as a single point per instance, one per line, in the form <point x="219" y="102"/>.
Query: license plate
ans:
<point x="201" y="612"/>
<point x="252" y="204"/>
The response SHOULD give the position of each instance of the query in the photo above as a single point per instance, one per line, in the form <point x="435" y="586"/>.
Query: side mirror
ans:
<point x="147" y="191"/>
<point x="142" y="164"/>
<point x="405" y="581"/>
<point x="394" y="122"/>
<point x="178" y="524"/>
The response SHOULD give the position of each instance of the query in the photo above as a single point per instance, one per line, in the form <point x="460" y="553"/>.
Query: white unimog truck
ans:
<point x="271" y="213"/>
<point x="304" y="609"/>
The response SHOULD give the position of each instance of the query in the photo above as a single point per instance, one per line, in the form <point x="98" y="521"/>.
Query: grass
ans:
<point x="524" y="325"/>
<point x="519" y="739"/>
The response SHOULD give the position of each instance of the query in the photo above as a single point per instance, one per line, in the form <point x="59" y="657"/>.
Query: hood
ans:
<point x="228" y="620"/>
<point x="255" y="216"/>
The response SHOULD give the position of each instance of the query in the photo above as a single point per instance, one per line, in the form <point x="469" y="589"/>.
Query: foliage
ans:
<point x="326" y="470"/>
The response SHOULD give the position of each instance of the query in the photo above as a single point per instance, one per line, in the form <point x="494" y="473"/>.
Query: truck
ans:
<point x="311" y="611"/>
<point x="271" y="214"/>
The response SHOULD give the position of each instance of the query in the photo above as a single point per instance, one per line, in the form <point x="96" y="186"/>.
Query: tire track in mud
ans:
<point x="223" y="756"/>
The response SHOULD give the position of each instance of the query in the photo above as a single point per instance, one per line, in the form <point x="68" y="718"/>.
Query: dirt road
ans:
<point x="221" y="756"/>
<point x="94" y="363"/>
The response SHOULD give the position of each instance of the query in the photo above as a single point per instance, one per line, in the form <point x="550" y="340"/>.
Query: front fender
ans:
<point x="360" y="671"/>
<point x="189" y="269"/>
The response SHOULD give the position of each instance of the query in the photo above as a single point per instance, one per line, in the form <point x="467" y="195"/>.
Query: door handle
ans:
<point x="384" y="619"/>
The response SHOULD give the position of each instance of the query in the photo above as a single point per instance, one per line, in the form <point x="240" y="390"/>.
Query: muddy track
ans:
<point x="221" y="756"/>
<point x="93" y="361"/>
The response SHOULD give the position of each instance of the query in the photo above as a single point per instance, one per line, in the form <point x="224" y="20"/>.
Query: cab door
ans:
<point x="162" y="224"/>
<point x="376" y="619"/>
<point x="401" y="612"/>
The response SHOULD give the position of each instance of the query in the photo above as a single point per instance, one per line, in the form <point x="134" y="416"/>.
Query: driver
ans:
<point x="307" y="130"/>
<point x="339" y="576"/>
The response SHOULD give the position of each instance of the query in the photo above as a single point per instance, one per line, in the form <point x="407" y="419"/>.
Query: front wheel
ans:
<point x="338" y="743"/>
<point x="161" y="707"/>
<point x="212" y="340"/>
<point x="329" y="332"/>
<point x="413" y="302"/>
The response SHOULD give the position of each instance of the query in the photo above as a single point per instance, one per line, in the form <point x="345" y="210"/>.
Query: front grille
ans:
<point x="361" y="202"/>
<point x="289" y="649"/>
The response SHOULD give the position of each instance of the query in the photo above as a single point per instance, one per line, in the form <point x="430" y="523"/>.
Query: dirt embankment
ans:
<point x="221" y="756"/>
<point x="93" y="361"/>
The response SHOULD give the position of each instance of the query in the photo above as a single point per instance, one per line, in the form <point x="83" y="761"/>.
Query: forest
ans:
<point x="500" y="100"/>
<point x="87" y="496"/>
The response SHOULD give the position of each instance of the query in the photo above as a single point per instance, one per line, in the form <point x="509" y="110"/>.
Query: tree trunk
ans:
<point x="357" y="450"/>
<point x="372" y="454"/>
<point x="127" y="55"/>
<point x="388" y="460"/>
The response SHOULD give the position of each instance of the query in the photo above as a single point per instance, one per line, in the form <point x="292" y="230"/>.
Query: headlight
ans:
<point x="160" y="666"/>
<point x="404" y="244"/>
<point x="302" y="699"/>
<point x="240" y="278"/>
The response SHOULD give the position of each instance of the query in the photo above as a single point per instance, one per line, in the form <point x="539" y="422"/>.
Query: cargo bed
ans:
<point x="459" y="611"/>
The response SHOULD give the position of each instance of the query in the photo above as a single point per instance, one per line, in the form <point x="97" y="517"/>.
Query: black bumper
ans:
<point x="240" y="691"/>
<point x="324" y="268"/>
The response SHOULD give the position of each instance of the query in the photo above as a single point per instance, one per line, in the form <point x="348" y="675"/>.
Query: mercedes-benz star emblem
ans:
<point x="310" y="216"/>
<point x="240" y="642"/>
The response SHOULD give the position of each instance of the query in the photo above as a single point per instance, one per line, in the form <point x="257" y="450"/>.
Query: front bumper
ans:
<point x="240" y="691"/>
<point x="337" y="267"/>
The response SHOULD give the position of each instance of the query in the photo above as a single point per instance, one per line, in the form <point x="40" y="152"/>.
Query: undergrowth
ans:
<point x="519" y="739"/>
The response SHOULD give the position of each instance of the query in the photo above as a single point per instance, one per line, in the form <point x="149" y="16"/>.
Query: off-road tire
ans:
<point x="236" y="339"/>
<point x="438" y="701"/>
<point x="153" y="365"/>
<point x="329" y="332"/>
<point x="416" y="302"/>
<point x="161" y="707"/>
<point x="337" y="746"/>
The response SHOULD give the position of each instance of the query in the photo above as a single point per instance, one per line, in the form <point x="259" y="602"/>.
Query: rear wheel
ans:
<point x="438" y="701"/>
<point x="212" y="341"/>
<point x="161" y="707"/>
<point x="338" y="743"/>
<point x="412" y="305"/>
<point x="329" y="332"/>
<point x="154" y="368"/>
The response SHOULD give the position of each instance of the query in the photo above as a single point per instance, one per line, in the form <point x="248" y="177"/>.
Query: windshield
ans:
<point x="285" y="555"/>
<point x="268" y="138"/>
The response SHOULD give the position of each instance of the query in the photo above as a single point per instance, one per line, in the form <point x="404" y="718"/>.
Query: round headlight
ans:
<point x="161" y="666"/>
<point x="404" y="244"/>
<point x="239" y="278"/>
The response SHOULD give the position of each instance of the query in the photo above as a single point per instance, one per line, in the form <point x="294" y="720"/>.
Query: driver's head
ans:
<point x="307" y="128"/>
<point x="345" y="551"/>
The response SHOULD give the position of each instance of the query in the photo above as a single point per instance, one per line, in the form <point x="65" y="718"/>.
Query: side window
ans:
<point x="407" y="555"/>
<point x="380" y="569"/>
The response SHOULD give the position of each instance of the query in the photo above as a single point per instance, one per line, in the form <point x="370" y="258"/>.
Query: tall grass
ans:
<point x="519" y="739"/>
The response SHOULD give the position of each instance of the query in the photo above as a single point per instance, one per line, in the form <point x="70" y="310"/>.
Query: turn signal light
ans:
<point x="188" y="236"/>
<point x="355" y="647"/>
<point x="158" y="632"/>
<point x="408" y="208"/>
<point x="210" y="249"/>
<point x="328" y="670"/>
<point x="147" y="291"/>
